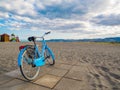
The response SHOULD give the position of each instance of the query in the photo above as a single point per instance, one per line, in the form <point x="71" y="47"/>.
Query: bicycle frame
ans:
<point x="30" y="58"/>
<point x="40" y="61"/>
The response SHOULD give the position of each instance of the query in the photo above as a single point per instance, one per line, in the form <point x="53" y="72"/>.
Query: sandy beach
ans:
<point x="99" y="62"/>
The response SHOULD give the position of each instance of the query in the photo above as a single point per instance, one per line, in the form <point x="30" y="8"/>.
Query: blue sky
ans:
<point x="66" y="19"/>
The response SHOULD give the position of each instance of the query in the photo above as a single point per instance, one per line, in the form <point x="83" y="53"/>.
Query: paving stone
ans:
<point x="4" y="79"/>
<point x="78" y="72"/>
<point x="15" y="74"/>
<point x="48" y="80"/>
<point x="69" y="84"/>
<point x="21" y="85"/>
<point x="46" y="68"/>
<point x="75" y="75"/>
<point x="58" y="72"/>
<point x="81" y="68"/>
<point x="63" y="66"/>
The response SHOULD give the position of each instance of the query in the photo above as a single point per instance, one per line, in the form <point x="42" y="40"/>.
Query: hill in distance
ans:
<point x="110" y="39"/>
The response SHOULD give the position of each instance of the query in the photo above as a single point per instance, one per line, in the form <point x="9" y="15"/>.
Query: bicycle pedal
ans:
<point x="33" y="65"/>
<point x="48" y="56"/>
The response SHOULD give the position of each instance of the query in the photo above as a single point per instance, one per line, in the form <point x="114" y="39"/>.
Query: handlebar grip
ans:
<point x="48" y="32"/>
<point x="31" y="38"/>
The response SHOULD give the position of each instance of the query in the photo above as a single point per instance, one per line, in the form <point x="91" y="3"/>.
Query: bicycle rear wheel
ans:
<point x="49" y="59"/>
<point x="27" y="68"/>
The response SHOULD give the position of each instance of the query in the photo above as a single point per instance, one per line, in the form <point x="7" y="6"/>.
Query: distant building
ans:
<point x="5" y="38"/>
<point x="17" y="39"/>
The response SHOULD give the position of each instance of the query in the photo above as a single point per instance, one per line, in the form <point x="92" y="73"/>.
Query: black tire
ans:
<point x="49" y="59"/>
<point x="27" y="69"/>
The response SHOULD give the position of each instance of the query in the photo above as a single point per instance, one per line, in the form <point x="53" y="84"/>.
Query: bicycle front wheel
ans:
<point x="49" y="59"/>
<point x="27" y="69"/>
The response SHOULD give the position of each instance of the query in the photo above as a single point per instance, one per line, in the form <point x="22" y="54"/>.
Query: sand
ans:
<point x="102" y="61"/>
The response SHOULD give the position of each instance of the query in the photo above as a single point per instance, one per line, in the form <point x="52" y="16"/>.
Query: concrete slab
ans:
<point x="81" y="68"/>
<point x="78" y="72"/>
<point x="69" y="84"/>
<point x="17" y="74"/>
<point x="46" y="68"/>
<point x="48" y="80"/>
<point x="63" y="66"/>
<point x="14" y="73"/>
<point x="75" y="75"/>
<point x="4" y="79"/>
<point x="21" y="85"/>
<point x="58" y="72"/>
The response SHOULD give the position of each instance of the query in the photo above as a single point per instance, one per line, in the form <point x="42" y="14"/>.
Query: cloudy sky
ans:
<point x="66" y="19"/>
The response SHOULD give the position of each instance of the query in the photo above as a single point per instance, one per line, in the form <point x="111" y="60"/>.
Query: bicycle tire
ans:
<point x="49" y="58"/>
<point x="28" y="71"/>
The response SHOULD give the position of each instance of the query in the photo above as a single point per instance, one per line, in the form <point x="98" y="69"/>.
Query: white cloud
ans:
<point x="4" y="15"/>
<point x="19" y="7"/>
<point x="89" y="18"/>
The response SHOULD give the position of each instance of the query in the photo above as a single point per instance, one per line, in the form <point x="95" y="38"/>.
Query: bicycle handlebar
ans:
<point x="33" y="38"/>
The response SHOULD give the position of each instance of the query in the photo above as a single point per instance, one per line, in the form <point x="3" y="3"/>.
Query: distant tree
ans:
<point x="13" y="38"/>
<point x="12" y="34"/>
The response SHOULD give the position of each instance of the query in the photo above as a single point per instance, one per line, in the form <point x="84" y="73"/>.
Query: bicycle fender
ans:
<point x="51" y="53"/>
<point x="20" y="56"/>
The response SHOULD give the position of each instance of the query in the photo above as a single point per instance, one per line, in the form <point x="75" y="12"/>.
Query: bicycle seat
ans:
<point x="31" y="38"/>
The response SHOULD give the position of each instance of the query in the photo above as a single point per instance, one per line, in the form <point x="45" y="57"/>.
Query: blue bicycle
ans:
<point x="30" y="59"/>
